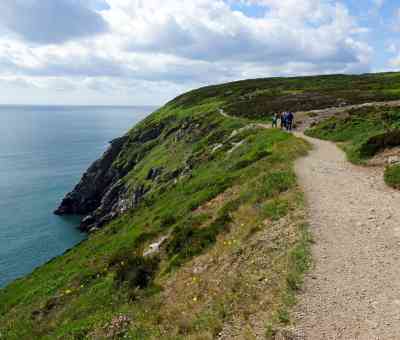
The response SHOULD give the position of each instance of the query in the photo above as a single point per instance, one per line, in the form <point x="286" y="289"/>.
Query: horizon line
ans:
<point x="82" y="105"/>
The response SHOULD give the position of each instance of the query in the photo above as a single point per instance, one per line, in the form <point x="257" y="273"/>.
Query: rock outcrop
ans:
<point x="102" y="194"/>
<point x="87" y="195"/>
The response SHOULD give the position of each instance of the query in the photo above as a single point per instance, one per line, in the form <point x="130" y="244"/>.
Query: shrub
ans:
<point x="136" y="271"/>
<point x="392" y="176"/>
<point x="379" y="142"/>
<point x="167" y="220"/>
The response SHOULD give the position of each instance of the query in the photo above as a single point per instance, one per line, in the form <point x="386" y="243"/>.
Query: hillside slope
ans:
<point x="369" y="135"/>
<point x="197" y="224"/>
<point x="104" y="192"/>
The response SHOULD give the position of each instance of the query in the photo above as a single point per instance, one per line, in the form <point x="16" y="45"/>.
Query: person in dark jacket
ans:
<point x="289" y="121"/>
<point x="283" y="120"/>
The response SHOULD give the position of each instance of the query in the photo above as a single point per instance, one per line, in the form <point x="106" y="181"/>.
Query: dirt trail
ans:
<point x="354" y="290"/>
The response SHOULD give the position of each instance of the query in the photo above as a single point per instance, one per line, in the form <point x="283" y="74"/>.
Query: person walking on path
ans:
<point x="283" y="120"/>
<point x="275" y="120"/>
<point x="289" y="121"/>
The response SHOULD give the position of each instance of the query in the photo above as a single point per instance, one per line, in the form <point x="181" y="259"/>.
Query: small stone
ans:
<point x="216" y="148"/>
<point x="393" y="160"/>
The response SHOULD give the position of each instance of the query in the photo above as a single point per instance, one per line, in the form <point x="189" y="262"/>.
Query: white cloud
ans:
<point x="394" y="63"/>
<point x="49" y="21"/>
<point x="179" y="44"/>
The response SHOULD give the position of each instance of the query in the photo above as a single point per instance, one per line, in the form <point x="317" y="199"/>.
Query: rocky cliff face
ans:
<point x="103" y="192"/>
<point x="87" y="194"/>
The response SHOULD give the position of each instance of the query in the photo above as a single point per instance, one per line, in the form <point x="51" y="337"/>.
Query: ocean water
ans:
<point x="43" y="153"/>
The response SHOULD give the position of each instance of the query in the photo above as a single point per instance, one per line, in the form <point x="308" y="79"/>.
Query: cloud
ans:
<point x="174" y="44"/>
<point x="15" y="82"/>
<point x="394" y="63"/>
<point x="306" y="31"/>
<point x="51" y="21"/>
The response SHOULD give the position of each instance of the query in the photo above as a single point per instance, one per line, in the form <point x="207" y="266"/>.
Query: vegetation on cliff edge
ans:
<point x="362" y="132"/>
<point x="212" y="267"/>
<point x="222" y="205"/>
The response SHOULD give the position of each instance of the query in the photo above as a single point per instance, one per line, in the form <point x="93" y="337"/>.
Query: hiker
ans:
<point x="289" y="121"/>
<point x="283" y="120"/>
<point x="275" y="120"/>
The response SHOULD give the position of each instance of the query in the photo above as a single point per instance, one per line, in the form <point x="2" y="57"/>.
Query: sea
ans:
<point x="44" y="151"/>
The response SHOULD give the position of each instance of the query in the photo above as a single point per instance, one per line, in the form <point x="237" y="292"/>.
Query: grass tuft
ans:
<point x="392" y="176"/>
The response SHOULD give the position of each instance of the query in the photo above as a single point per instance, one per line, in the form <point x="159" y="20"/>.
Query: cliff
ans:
<point x="198" y="227"/>
<point x="103" y="194"/>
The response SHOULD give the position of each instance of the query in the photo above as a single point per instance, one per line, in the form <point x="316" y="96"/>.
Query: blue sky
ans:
<point x="381" y="18"/>
<point x="130" y="52"/>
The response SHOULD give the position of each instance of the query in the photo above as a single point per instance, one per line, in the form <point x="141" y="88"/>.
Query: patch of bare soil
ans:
<point x="235" y="287"/>
<point x="388" y="156"/>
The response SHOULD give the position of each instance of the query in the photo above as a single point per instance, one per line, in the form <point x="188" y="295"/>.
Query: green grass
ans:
<point x="392" y="176"/>
<point x="214" y="207"/>
<point x="300" y="260"/>
<point x="78" y="294"/>
<point x="362" y="133"/>
<point x="276" y="208"/>
<point x="260" y="98"/>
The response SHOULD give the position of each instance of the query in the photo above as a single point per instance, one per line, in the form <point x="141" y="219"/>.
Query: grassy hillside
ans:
<point x="230" y="198"/>
<point x="219" y="197"/>
<point x="364" y="133"/>
<point x="261" y="97"/>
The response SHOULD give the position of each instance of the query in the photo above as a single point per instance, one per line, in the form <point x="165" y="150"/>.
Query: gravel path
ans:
<point x="354" y="290"/>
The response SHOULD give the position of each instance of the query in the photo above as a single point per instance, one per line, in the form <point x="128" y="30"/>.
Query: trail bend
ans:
<point x="353" y="291"/>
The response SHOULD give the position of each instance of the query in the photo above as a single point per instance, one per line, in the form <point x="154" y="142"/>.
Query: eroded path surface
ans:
<point x="354" y="290"/>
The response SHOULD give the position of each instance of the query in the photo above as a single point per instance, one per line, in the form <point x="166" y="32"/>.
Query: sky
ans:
<point x="145" y="52"/>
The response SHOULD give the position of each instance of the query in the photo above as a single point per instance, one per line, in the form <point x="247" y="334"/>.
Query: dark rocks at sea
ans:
<point x="102" y="194"/>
